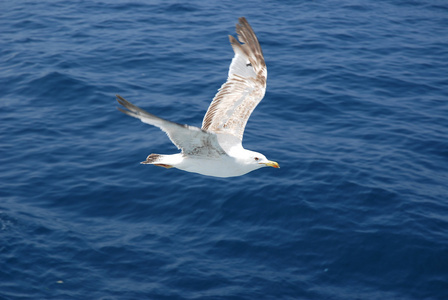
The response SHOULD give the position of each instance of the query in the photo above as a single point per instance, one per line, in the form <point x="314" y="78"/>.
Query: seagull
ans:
<point x="216" y="148"/>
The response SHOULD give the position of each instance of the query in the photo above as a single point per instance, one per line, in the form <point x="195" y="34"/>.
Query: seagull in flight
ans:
<point x="216" y="148"/>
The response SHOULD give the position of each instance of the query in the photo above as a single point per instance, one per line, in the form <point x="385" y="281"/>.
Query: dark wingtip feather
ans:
<point x="132" y="110"/>
<point x="122" y="110"/>
<point x="242" y="20"/>
<point x="119" y="98"/>
<point x="122" y="101"/>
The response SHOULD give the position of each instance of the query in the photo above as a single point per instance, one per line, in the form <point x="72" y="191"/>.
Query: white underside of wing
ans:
<point x="241" y="65"/>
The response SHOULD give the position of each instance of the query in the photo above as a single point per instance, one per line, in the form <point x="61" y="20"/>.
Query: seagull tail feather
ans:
<point x="152" y="158"/>
<point x="157" y="160"/>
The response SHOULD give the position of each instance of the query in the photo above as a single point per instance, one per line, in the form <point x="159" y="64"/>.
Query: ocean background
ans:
<point x="356" y="114"/>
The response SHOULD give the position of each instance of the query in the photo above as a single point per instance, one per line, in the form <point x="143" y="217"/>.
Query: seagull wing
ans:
<point x="245" y="87"/>
<point x="191" y="140"/>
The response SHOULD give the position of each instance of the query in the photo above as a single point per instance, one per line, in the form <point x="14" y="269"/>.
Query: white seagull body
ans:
<point x="216" y="148"/>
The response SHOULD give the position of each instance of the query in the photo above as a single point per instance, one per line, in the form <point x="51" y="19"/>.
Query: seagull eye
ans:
<point x="257" y="159"/>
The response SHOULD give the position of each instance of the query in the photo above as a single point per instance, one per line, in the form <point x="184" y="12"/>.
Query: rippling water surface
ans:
<point x="356" y="113"/>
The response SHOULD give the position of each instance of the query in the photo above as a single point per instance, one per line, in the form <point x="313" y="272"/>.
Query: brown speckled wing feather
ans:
<point x="245" y="87"/>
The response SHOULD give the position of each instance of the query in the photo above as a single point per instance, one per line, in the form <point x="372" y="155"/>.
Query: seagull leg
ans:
<point x="164" y="166"/>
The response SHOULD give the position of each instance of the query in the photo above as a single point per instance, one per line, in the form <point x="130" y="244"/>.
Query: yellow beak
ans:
<point x="272" y="164"/>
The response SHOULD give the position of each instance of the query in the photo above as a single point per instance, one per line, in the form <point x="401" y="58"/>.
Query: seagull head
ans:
<point x="258" y="160"/>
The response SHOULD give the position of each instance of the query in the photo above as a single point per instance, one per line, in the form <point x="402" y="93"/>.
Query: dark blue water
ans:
<point x="356" y="113"/>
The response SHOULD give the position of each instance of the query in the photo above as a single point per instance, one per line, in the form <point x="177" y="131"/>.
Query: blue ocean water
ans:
<point x="356" y="114"/>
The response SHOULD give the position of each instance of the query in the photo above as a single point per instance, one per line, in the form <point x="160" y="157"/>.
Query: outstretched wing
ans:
<point x="191" y="140"/>
<point x="245" y="87"/>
